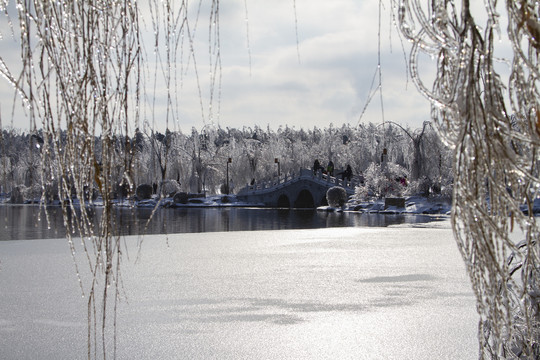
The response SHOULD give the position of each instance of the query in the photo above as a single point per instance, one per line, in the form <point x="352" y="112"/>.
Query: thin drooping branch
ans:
<point x="493" y="129"/>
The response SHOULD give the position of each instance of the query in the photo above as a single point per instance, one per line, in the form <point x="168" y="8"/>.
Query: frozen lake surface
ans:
<point x="337" y="293"/>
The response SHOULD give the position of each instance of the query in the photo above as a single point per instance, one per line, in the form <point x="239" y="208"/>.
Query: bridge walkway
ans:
<point x="306" y="188"/>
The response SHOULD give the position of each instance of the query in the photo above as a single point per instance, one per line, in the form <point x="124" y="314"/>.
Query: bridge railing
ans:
<point x="334" y="180"/>
<point x="269" y="184"/>
<point x="318" y="176"/>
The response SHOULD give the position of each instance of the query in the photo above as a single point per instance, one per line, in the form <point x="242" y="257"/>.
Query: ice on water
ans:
<point x="345" y="293"/>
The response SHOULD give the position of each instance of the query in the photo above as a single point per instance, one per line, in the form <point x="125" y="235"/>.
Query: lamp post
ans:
<point x="276" y="160"/>
<point x="384" y="157"/>
<point x="229" y="160"/>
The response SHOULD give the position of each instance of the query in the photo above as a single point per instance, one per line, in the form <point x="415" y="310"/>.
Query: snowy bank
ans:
<point x="412" y="205"/>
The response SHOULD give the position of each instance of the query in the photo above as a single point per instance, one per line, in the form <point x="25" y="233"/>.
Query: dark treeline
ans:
<point x="197" y="162"/>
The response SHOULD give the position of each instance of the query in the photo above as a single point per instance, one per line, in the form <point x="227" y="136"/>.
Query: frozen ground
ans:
<point x="340" y="293"/>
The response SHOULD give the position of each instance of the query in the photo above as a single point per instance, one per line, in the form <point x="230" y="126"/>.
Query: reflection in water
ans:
<point x="26" y="222"/>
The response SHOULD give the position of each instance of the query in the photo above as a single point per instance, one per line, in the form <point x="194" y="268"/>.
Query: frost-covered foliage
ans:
<point x="197" y="161"/>
<point x="386" y="180"/>
<point x="490" y="117"/>
<point x="336" y="197"/>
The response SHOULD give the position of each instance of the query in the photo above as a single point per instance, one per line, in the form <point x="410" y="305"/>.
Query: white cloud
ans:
<point x="331" y="81"/>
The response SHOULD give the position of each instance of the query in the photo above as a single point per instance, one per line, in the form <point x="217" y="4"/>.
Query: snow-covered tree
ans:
<point x="382" y="180"/>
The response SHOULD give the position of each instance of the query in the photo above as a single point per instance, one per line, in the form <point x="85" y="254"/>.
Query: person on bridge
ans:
<point x="347" y="174"/>
<point x="316" y="166"/>
<point x="330" y="168"/>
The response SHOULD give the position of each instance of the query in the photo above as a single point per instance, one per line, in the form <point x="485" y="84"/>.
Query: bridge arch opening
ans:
<point x="283" y="201"/>
<point x="304" y="200"/>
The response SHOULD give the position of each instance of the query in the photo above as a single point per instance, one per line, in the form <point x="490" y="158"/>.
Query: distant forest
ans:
<point x="197" y="162"/>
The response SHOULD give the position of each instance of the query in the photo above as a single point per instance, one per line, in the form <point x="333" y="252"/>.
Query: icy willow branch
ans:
<point x="79" y="60"/>
<point x="82" y="79"/>
<point x="496" y="155"/>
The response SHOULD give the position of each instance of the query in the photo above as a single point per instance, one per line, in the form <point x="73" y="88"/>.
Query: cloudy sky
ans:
<point x="300" y="63"/>
<point x="311" y="67"/>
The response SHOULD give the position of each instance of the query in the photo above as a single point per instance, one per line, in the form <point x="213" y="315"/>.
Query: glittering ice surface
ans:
<point x="347" y="293"/>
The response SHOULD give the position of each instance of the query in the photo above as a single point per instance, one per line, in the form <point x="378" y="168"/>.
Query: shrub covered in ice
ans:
<point x="181" y="198"/>
<point x="144" y="191"/>
<point x="382" y="181"/>
<point x="17" y="195"/>
<point x="336" y="197"/>
<point x="170" y="187"/>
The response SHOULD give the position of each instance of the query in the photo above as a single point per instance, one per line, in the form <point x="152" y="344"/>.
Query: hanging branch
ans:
<point x="496" y="156"/>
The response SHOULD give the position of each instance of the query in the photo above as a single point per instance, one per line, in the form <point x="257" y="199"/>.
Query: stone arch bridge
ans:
<point x="306" y="190"/>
